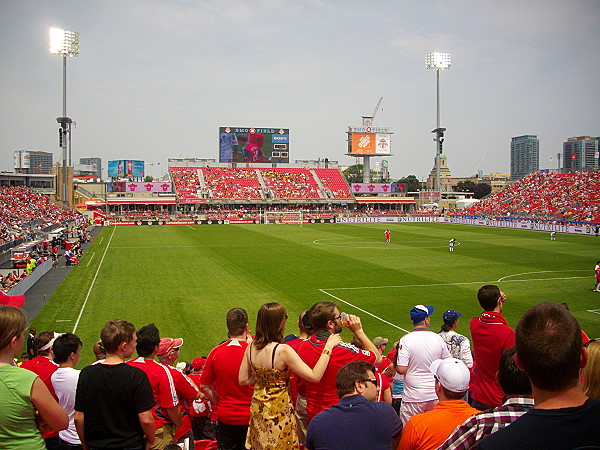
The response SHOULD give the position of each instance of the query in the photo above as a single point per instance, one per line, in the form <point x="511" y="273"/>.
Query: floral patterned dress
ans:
<point x="272" y="420"/>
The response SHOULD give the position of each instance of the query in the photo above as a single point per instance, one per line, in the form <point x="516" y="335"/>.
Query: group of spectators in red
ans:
<point x="10" y="279"/>
<point x="232" y="183"/>
<point x="126" y="402"/>
<point x="186" y="181"/>
<point x="245" y="183"/>
<point x="23" y="212"/>
<point x="571" y="196"/>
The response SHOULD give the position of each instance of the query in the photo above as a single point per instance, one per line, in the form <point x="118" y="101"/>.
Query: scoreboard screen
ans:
<point x="254" y="145"/>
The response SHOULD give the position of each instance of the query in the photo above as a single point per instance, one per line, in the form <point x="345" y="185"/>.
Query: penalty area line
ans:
<point x="93" y="282"/>
<point x="362" y="310"/>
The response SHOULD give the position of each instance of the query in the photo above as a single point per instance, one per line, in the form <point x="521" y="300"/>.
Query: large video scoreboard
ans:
<point x="254" y="145"/>
<point x="367" y="140"/>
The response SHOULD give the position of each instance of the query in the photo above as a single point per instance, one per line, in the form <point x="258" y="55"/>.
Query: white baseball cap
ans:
<point x="452" y="374"/>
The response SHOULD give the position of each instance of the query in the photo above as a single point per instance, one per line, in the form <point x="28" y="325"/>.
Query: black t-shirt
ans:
<point x="564" y="428"/>
<point x="111" y="397"/>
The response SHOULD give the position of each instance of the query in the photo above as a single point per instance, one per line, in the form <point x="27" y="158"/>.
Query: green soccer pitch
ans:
<point x="185" y="278"/>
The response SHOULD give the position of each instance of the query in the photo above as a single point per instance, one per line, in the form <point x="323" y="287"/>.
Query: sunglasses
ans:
<point x="586" y="345"/>
<point x="372" y="380"/>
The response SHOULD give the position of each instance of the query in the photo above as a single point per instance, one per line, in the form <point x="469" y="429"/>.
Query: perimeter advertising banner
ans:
<point x="149" y="187"/>
<point x="254" y="145"/>
<point x="376" y="188"/>
<point x="126" y="168"/>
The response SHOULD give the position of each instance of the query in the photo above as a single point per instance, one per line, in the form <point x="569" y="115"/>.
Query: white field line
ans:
<point x="90" y="260"/>
<point x="451" y="284"/>
<point x="93" y="282"/>
<point x="503" y="279"/>
<point x="366" y="312"/>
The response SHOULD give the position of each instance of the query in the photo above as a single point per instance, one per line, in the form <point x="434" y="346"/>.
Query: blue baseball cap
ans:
<point x="420" y="312"/>
<point x="450" y="316"/>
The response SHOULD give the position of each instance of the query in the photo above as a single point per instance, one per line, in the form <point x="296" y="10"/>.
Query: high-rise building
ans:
<point x="524" y="156"/>
<point x="32" y="161"/>
<point x="581" y="153"/>
<point x="90" y="166"/>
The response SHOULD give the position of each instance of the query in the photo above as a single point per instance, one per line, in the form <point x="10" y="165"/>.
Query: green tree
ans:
<point x="411" y="183"/>
<point x="148" y="179"/>
<point x="465" y="186"/>
<point x="354" y="173"/>
<point x="481" y="190"/>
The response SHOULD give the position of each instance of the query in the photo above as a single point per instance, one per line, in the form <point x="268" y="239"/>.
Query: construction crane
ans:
<point x="368" y="120"/>
<point x="376" y="109"/>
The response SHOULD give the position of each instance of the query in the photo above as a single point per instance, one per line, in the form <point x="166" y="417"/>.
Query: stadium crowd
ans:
<point x="309" y="390"/>
<point x="571" y="196"/>
<point x="24" y="212"/>
<point x="245" y="183"/>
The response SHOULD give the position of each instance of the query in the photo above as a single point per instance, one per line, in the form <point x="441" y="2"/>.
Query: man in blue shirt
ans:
<point x="357" y="421"/>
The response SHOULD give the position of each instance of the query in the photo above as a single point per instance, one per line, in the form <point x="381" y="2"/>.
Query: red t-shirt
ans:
<point x="163" y="388"/>
<point x="222" y="372"/>
<point x="44" y="368"/>
<point x="199" y="408"/>
<point x="186" y="390"/>
<point x="491" y="335"/>
<point x="323" y="394"/>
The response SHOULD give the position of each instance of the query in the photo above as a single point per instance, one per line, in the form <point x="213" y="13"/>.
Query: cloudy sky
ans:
<point x="156" y="78"/>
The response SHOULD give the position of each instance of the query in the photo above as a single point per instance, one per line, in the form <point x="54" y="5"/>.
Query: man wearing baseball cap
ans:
<point x="416" y="351"/>
<point x="430" y="429"/>
<point x="168" y="353"/>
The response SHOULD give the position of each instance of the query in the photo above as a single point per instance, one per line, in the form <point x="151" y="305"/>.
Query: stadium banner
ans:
<point x="254" y="145"/>
<point x="149" y="187"/>
<point x="371" y="188"/>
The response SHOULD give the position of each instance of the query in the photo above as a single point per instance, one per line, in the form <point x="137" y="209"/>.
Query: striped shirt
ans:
<point x="478" y="426"/>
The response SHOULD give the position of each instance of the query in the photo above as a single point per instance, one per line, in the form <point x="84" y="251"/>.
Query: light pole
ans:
<point x="438" y="61"/>
<point x="66" y="44"/>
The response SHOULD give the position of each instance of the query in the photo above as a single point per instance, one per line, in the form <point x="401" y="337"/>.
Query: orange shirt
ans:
<point x="429" y="430"/>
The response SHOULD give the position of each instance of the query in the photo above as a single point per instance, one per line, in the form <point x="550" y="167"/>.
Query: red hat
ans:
<point x="198" y="363"/>
<point x="167" y="344"/>
<point x="11" y="300"/>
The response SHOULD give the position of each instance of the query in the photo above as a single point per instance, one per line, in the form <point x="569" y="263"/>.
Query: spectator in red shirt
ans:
<point x="168" y="353"/>
<point x="491" y="335"/>
<point x="325" y="318"/>
<point x="44" y="366"/>
<point x="219" y="381"/>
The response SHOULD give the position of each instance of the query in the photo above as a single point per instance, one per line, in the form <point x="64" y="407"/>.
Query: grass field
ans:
<point x="185" y="278"/>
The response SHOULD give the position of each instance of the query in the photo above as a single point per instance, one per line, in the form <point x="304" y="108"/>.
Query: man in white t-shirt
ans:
<point x="416" y="352"/>
<point x="67" y="350"/>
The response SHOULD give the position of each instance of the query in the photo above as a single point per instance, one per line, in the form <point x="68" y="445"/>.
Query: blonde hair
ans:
<point x="591" y="373"/>
<point x="12" y="324"/>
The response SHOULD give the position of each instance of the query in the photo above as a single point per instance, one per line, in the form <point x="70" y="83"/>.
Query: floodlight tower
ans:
<point x="66" y="44"/>
<point x="438" y="61"/>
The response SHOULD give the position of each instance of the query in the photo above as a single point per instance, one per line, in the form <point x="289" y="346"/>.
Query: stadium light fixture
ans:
<point x="438" y="61"/>
<point x="66" y="44"/>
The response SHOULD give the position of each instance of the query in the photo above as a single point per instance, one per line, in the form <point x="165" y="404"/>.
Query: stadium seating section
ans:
<point x="569" y="196"/>
<point x="23" y="211"/>
<point x="246" y="183"/>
